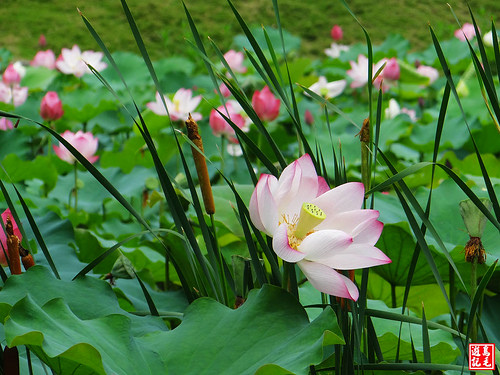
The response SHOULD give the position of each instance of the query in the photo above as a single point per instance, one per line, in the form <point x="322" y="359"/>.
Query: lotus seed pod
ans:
<point x="310" y="216"/>
<point x="474" y="219"/>
<point x="123" y="268"/>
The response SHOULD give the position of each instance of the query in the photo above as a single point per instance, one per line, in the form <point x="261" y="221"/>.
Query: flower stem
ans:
<point x="75" y="189"/>
<point x="221" y="262"/>
<point x="222" y="147"/>
<point x="473" y="288"/>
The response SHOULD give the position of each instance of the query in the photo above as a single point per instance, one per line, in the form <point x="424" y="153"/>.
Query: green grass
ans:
<point x="164" y="27"/>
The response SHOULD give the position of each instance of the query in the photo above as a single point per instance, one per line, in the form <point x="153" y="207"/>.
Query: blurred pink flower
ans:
<point x="5" y="124"/>
<point x="265" y="104"/>
<point x="391" y="70"/>
<point x="467" y="31"/>
<point x="11" y="76"/>
<point x="428" y="71"/>
<point x="85" y="143"/>
<point x="336" y="32"/>
<point x="321" y="229"/>
<point x="221" y="127"/>
<point x="51" y="106"/>
<point x="224" y="90"/>
<point x="73" y="61"/>
<point x="13" y="94"/>
<point x="3" y="236"/>
<point x="179" y="108"/>
<point x="235" y="61"/>
<point x="44" y="58"/>
<point x="308" y="117"/>
<point x="42" y="41"/>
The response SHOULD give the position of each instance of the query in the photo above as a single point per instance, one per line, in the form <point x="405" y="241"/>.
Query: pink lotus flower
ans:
<point x="391" y="70"/>
<point x="179" y="107"/>
<point x="3" y="236"/>
<point x="321" y="230"/>
<point x="224" y="90"/>
<point x="11" y="76"/>
<point x="73" y="61"/>
<point x="44" y="58"/>
<point x="235" y="61"/>
<point x="13" y="94"/>
<point x="85" y="143"/>
<point x="221" y="127"/>
<point x="265" y="104"/>
<point x="336" y="32"/>
<point x="5" y="124"/>
<point x="428" y="71"/>
<point x="467" y="31"/>
<point x="51" y="106"/>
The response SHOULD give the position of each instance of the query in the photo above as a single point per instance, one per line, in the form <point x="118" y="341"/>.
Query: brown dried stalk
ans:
<point x="13" y="249"/>
<point x="201" y="165"/>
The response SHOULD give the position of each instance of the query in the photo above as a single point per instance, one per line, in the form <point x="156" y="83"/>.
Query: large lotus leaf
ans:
<point x="271" y="329"/>
<point x="430" y="295"/>
<point x="398" y="244"/>
<point x="38" y="77"/>
<point x="443" y="348"/>
<point x="454" y="135"/>
<point x="70" y="345"/>
<point x="269" y="332"/>
<point x="84" y="104"/>
<point x="41" y="167"/>
<point x="88" y="297"/>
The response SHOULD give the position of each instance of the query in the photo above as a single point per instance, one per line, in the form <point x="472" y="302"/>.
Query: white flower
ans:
<point x="394" y="110"/>
<point x="335" y="50"/>
<point x="179" y="108"/>
<point x="321" y="229"/>
<point x="328" y="89"/>
<point x="73" y="61"/>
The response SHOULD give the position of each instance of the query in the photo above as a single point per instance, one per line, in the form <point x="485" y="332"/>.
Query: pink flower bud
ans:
<point x="336" y="32"/>
<point x="3" y="236"/>
<point x="42" y="42"/>
<point x="85" y="143"/>
<point x="265" y="104"/>
<point x="308" y="116"/>
<point x="391" y="70"/>
<point x="51" y="106"/>
<point x="11" y="75"/>
<point x="44" y="58"/>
